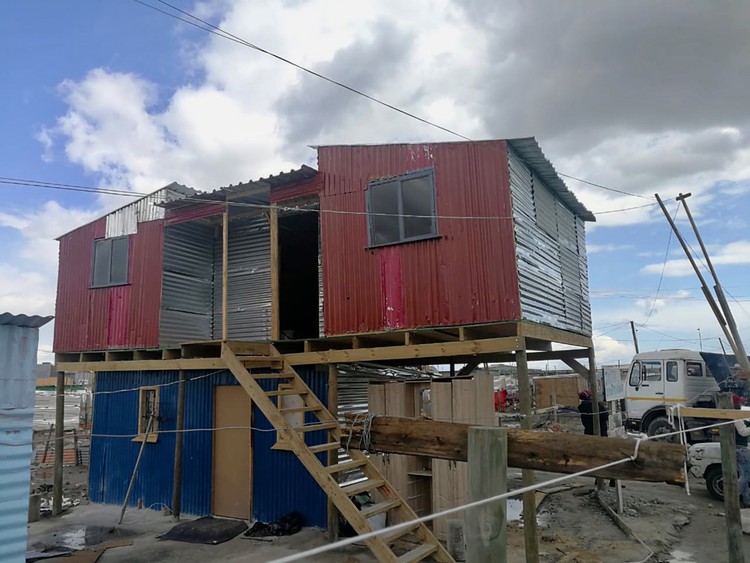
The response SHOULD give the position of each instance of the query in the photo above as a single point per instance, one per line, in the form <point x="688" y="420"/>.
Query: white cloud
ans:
<point x="732" y="254"/>
<point x="606" y="248"/>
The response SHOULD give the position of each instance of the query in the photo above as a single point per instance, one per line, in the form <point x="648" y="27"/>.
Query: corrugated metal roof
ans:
<point x="25" y="321"/>
<point x="531" y="153"/>
<point x="147" y="208"/>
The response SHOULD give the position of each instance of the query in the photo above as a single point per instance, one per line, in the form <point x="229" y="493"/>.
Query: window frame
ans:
<point x="653" y="364"/>
<point x="688" y="364"/>
<point x="635" y="369"/>
<point x="111" y="242"/>
<point x="400" y="179"/>
<point x="153" y="435"/>
<point x="675" y="364"/>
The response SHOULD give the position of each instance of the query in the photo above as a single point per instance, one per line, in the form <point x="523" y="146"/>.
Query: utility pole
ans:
<point x="635" y="336"/>
<point x="700" y="339"/>
<point x="704" y="287"/>
<point x="739" y="348"/>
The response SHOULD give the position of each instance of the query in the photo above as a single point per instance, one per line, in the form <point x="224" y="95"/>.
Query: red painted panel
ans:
<point x="125" y="316"/>
<point x="466" y="276"/>
<point x="294" y="191"/>
<point x="194" y="211"/>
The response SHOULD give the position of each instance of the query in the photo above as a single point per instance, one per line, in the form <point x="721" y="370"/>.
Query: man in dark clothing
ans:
<point x="586" y="408"/>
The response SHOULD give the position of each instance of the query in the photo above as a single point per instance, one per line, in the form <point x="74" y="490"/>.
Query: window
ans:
<point x="110" y="262"/>
<point x="672" y="374"/>
<point x="694" y="369"/>
<point x="635" y="375"/>
<point x="652" y="371"/>
<point x="148" y="412"/>
<point x="402" y="209"/>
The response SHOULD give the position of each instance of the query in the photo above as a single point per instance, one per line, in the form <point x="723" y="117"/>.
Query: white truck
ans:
<point x="657" y="380"/>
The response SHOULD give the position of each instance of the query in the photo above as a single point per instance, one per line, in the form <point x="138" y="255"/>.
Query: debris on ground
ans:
<point x="285" y="526"/>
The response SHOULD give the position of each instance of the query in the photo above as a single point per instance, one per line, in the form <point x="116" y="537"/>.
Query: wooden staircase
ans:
<point x="387" y="500"/>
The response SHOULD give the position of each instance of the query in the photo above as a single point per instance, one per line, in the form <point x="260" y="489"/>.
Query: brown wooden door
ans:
<point x="232" y="483"/>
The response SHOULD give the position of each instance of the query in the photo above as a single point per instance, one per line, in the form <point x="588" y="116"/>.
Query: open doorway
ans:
<point x="299" y="290"/>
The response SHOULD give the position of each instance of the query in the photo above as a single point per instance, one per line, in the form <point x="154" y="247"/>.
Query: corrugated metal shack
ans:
<point x="19" y="336"/>
<point x="381" y="238"/>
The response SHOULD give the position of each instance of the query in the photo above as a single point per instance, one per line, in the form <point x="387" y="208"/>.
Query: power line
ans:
<point x="219" y="32"/>
<point x="663" y="269"/>
<point x="261" y="206"/>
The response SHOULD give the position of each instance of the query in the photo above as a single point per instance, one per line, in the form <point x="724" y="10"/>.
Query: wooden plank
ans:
<point x="250" y="348"/>
<point x="443" y="475"/>
<point x="273" y="222"/>
<point x="152" y="365"/>
<point x="437" y="350"/>
<point x="396" y="471"/>
<point x="731" y="488"/>
<point x="333" y="455"/>
<point x="719" y="414"/>
<point x="550" y="334"/>
<point x="486" y="530"/>
<point x="530" y="534"/>
<point x="543" y="451"/>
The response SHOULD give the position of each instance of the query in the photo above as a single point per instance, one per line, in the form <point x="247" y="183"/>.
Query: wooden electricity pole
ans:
<point x="57" y="483"/>
<point x="635" y="337"/>
<point x="179" y="425"/>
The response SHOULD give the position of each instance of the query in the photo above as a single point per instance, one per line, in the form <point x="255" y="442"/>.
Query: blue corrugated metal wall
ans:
<point x="281" y="484"/>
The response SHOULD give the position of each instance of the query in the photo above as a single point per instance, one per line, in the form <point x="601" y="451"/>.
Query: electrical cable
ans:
<point x="663" y="269"/>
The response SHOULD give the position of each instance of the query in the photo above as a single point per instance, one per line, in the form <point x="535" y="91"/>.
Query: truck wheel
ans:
<point x="660" y="425"/>
<point x="715" y="482"/>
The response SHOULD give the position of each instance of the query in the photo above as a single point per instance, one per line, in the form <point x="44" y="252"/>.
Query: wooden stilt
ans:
<point x="57" y="483"/>
<point x="731" y="489"/>
<point x="530" y="537"/>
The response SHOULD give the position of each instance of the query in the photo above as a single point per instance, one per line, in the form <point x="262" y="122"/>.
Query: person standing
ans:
<point x="586" y="408"/>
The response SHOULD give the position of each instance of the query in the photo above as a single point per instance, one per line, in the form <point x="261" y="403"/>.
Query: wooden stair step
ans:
<point x="379" y="508"/>
<point x="346" y="466"/>
<point x="290" y="410"/>
<point x="281" y="375"/>
<point x="419" y="553"/>
<point x="314" y="427"/>
<point x="286" y="392"/>
<point x="325" y="447"/>
<point x="362" y="486"/>
<point x="393" y="536"/>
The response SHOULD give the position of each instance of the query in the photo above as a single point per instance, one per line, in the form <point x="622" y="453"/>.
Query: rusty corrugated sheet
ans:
<point x="125" y="316"/>
<point x="298" y="190"/>
<point x="466" y="276"/>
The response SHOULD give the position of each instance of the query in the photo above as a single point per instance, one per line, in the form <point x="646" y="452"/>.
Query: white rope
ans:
<point x="404" y="525"/>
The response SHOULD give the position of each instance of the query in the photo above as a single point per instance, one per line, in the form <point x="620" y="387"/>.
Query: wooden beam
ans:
<point x="273" y="222"/>
<point x="333" y="455"/>
<point x="550" y="334"/>
<point x="159" y="365"/>
<point x="436" y="350"/>
<point x="530" y="535"/>
<point x="719" y="414"/>
<point x="733" y="518"/>
<point x="468" y="368"/>
<point x="542" y="451"/>
<point x="225" y="275"/>
<point x="486" y="530"/>
<point x="577" y="366"/>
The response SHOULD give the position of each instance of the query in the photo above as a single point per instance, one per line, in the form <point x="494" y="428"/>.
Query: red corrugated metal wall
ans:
<point x="466" y="276"/>
<point x="125" y="316"/>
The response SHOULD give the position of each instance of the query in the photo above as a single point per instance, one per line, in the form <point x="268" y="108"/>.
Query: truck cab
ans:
<point x="665" y="378"/>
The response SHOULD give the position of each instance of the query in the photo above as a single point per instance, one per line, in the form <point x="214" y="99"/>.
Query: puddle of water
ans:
<point x="678" y="556"/>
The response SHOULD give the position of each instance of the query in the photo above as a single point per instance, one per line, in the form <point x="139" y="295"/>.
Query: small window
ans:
<point x="402" y="209"/>
<point x="110" y="262"/>
<point x="652" y="371"/>
<point x="672" y="374"/>
<point x="148" y="414"/>
<point x="694" y="369"/>
<point x="635" y="375"/>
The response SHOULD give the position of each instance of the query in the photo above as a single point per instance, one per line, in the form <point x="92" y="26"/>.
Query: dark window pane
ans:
<point x="384" y="219"/>
<point x="119" y="270"/>
<point x="418" y="195"/>
<point x="672" y="374"/>
<point x="102" y="260"/>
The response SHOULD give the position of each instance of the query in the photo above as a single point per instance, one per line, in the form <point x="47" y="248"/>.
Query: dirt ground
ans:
<point x="573" y="528"/>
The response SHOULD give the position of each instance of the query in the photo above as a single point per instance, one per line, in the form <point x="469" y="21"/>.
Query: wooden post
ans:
<point x="57" y="483"/>
<point x="333" y="455"/>
<point x="273" y="223"/>
<point x="594" y="393"/>
<point x="179" y="425"/>
<point x="635" y="337"/>
<point x="135" y="470"/>
<point x="530" y="538"/>
<point x="731" y="490"/>
<point x="225" y="276"/>
<point x="46" y="445"/>
<point x="486" y="530"/>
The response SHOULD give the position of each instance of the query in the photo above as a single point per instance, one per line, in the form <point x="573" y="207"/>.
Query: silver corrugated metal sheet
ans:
<point x="18" y="345"/>
<point x="249" y="299"/>
<point x="187" y="284"/>
<point x="528" y="150"/>
<point x="550" y="252"/>
<point x="124" y="221"/>
<point x="26" y="321"/>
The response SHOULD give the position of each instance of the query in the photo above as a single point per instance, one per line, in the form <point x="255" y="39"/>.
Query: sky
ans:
<point x="638" y="96"/>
